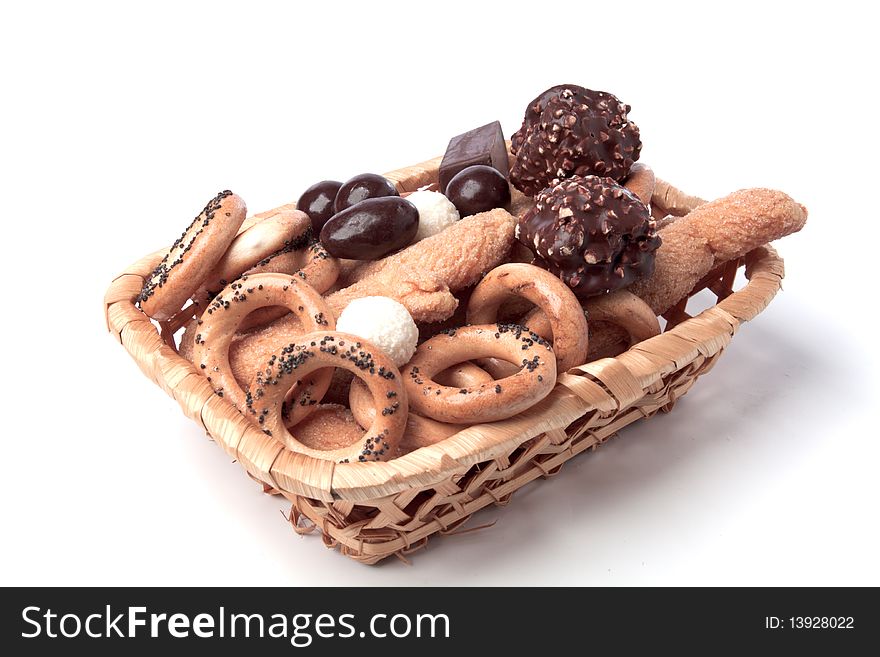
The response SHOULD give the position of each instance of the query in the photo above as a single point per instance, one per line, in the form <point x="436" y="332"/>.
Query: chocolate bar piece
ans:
<point x="483" y="145"/>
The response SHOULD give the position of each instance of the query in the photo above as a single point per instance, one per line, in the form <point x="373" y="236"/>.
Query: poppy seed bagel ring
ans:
<point x="225" y="314"/>
<point x="320" y="352"/>
<point x="192" y="256"/>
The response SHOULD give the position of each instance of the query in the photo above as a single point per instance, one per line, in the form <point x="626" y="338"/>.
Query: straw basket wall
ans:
<point x="374" y="510"/>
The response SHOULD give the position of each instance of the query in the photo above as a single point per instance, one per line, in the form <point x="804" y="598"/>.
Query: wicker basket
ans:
<point x="375" y="510"/>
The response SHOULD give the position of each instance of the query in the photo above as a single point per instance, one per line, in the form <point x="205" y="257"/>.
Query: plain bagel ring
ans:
<point x="486" y="402"/>
<point x="626" y="310"/>
<point x="547" y="292"/>
<point x="224" y="315"/>
<point x="277" y="229"/>
<point x="420" y="431"/>
<point x="621" y="308"/>
<point x="323" y="351"/>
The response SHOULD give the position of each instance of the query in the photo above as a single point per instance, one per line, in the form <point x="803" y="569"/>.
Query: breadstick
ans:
<point x="640" y="182"/>
<point x="712" y="234"/>
<point x="425" y="296"/>
<point x="456" y="257"/>
<point x="698" y="242"/>
<point x="681" y="261"/>
<point x="693" y="245"/>
<point x="669" y="200"/>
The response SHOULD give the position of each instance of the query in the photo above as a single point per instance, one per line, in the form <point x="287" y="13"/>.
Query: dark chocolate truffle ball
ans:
<point x="592" y="233"/>
<point x="569" y="130"/>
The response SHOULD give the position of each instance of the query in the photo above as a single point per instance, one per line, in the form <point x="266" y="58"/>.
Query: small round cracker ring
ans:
<point x="547" y="292"/>
<point x="323" y="351"/>
<point x="486" y="402"/>
<point x="224" y="316"/>
<point x="626" y="310"/>
<point x="420" y="431"/>
<point x="191" y="258"/>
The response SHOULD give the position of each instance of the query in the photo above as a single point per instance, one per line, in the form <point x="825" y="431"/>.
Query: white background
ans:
<point x="119" y="123"/>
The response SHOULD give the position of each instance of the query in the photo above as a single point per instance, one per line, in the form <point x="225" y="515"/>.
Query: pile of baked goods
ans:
<point x="364" y="322"/>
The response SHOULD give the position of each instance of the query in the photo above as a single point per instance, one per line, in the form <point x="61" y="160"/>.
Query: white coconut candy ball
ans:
<point x="384" y="322"/>
<point x="436" y="212"/>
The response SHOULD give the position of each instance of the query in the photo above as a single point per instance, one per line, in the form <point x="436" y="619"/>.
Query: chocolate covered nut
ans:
<point x="478" y="189"/>
<point x="569" y="130"/>
<point x="594" y="234"/>
<point x="484" y="145"/>
<point x="317" y="202"/>
<point x="362" y="187"/>
<point x="371" y="229"/>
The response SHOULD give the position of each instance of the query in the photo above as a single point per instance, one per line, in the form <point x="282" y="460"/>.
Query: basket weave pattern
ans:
<point x="374" y="510"/>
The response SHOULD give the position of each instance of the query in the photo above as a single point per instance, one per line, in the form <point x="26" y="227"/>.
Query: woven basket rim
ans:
<point x="607" y="386"/>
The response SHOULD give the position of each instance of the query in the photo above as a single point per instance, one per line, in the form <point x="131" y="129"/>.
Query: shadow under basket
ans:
<point x="373" y="510"/>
